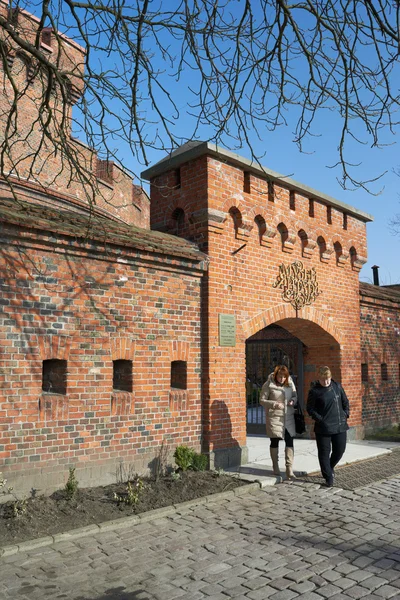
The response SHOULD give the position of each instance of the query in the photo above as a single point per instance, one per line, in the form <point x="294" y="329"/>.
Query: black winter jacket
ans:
<point x="328" y="407"/>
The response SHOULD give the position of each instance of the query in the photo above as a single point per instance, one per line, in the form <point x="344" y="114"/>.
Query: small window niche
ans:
<point x="246" y="182"/>
<point x="329" y="215"/>
<point x="364" y="372"/>
<point x="179" y="374"/>
<point x="122" y="376"/>
<point x="46" y="37"/>
<point x="384" y="372"/>
<point x="271" y="191"/>
<point x="262" y="228"/>
<point x="13" y="16"/>
<point x="311" y="208"/>
<point x="54" y="376"/>
<point x="292" y="200"/>
<point x="176" y="181"/>
<point x="321" y="245"/>
<point x="178" y="221"/>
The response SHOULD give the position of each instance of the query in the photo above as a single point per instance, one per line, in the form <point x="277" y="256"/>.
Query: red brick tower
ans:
<point x="36" y="120"/>
<point x="280" y="254"/>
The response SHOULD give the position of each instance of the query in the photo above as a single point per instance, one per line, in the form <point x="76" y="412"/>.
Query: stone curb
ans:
<point x="124" y="522"/>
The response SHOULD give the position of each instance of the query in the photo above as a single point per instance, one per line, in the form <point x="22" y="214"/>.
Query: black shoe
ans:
<point x="329" y="483"/>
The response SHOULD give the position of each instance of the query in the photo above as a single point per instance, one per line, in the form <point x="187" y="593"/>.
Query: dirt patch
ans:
<point x="44" y="516"/>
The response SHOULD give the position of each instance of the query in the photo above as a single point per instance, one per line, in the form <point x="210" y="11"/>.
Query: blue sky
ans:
<point x="310" y="168"/>
<point x="280" y="153"/>
<point x="277" y="149"/>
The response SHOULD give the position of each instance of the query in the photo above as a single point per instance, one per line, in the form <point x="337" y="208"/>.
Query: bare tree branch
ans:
<point x="155" y="74"/>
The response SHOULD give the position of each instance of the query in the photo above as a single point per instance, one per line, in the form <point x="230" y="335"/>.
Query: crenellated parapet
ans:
<point x="223" y="192"/>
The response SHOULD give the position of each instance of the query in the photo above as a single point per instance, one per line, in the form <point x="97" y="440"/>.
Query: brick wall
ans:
<point x="91" y="305"/>
<point x="249" y="226"/>
<point x="34" y="158"/>
<point x="380" y="341"/>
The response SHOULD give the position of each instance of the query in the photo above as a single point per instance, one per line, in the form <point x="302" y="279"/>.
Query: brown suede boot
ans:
<point x="289" y="457"/>
<point x="275" y="464"/>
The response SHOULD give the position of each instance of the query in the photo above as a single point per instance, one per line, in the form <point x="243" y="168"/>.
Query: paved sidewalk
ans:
<point x="282" y="542"/>
<point x="305" y="457"/>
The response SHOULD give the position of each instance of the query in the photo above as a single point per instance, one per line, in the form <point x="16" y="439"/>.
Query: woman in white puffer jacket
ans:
<point x="279" y="397"/>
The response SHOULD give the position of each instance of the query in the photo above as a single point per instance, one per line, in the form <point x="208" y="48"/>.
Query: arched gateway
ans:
<point x="280" y="255"/>
<point x="298" y="344"/>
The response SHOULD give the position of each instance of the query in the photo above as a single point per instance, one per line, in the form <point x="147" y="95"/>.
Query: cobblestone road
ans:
<point x="283" y="542"/>
<point x="364" y="472"/>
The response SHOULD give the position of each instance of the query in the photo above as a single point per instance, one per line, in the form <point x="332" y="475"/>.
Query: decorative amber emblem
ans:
<point x="299" y="286"/>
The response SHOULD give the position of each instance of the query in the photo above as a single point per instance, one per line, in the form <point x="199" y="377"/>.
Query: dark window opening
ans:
<point x="178" y="217"/>
<point x="321" y="245"/>
<point x="13" y="16"/>
<point x="329" y="215"/>
<point x="246" y="182"/>
<point x="384" y="372"/>
<point x="292" y="200"/>
<point x="54" y="376"/>
<point x="344" y="221"/>
<point x="271" y="192"/>
<point x="284" y="233"/>
<point x="176" y="179"/>
<point x="122" y="375"/>
<point x="46" y="37"/>
<point x="338" y="250"/>
<point x="311" y="212"/>
<point x="236" y="217"/>
<point x="353" y="255"/>
<point x="262" y="226"/>
<point x="179" y="374"/>
<point x="303" y="238"/>
<point x="364" y="372"/>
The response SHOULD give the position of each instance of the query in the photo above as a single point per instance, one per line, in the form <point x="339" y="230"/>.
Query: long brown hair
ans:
<point x="282" y="370"/>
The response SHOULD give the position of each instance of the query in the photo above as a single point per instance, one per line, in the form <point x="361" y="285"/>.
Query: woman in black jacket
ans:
<point x="328" y="406"/>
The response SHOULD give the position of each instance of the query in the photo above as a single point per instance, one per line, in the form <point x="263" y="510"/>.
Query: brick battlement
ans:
<point x="216" y="186"/>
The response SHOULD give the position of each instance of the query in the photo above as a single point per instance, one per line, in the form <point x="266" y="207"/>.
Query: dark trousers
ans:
<point x="330" y="450"/>
<point x="274" y="442"/>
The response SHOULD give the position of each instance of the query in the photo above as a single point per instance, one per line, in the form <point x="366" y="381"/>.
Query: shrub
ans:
<point x="71" y="487"/>
<point x="186" y="458"/>
<point x="133" y="489"/>
<point x="199" y="462"/>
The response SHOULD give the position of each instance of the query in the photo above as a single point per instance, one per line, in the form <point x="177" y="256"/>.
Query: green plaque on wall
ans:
<point x="227" y="330"/>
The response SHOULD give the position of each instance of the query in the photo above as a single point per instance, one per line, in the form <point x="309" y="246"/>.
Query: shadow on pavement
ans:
<point x="119" y="593"/>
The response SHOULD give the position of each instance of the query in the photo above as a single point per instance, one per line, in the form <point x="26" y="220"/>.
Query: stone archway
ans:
<point x="283" y="313"/>
<point x="318" y="345"/>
